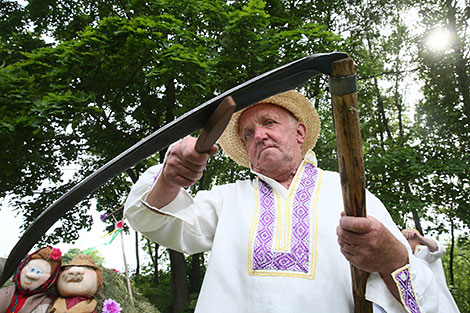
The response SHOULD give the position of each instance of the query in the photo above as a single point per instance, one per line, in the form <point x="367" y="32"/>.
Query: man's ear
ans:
<point x="301" y="132"/>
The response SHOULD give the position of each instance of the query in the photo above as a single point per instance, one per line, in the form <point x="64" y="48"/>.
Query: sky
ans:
<point x="10" y="226"/>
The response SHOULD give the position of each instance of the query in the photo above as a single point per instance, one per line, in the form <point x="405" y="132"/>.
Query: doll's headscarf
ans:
<point x="51" y="255"/>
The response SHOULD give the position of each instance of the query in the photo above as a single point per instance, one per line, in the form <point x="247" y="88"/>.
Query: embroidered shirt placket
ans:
<point x="298" y="260"/>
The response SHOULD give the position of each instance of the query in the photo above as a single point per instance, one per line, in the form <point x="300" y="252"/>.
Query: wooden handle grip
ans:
<point x="216" y="124"/>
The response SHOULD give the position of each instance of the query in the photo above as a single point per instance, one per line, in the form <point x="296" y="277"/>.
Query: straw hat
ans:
<point x="291" y="100"/>
<point x="83" y="260"/>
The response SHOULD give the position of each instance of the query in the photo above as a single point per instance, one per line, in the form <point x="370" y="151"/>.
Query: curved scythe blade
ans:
<point x="281" y="79"/>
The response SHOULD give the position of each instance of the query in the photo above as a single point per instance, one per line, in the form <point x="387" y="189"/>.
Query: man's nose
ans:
<point x="259" y="133"/>
<point x="76" y="270"/>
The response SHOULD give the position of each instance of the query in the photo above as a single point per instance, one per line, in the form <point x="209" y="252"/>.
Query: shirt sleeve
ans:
<point x="415" y="281"/>
<point x="429" y="256"/>
<point x="186" y="224"/>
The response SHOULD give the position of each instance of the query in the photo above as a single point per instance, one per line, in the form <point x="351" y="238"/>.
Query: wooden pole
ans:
<point x="126" y="269"/>
<point x="350" y="160"/>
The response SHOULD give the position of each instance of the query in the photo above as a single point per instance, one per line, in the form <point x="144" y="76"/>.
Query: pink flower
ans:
<point x="111" y="306"/>
<point x="114" y="270"/>
<point x="55" y="254"/>
<point x="120" y="224"/>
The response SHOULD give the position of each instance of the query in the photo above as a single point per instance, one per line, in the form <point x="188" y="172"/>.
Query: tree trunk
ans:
<point x="451" y="254"/>
<point x="137" y="257"/>
<point x="414" y="212"/>
<point x="417" y="221"/>
<point x="170" y="100"/>
<point x="179" y="282"/>
<point x="380" y="105"/>
<point x="195" y="275"/>
<point x="134" y="179"/>
<point x="155" y="277"/>
<point x="397" y="97"/>
<point x="381" y="108"/>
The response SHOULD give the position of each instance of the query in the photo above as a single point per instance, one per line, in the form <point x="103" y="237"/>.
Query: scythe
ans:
<point x="342" y="72"/>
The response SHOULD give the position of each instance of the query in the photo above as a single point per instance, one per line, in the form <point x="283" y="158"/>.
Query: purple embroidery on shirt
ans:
<point x="297" y="260"/>
<point x="156" y="177"/>
<point x="408" y="295"/>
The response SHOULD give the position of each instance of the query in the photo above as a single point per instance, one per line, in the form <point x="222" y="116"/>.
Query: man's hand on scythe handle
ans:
<point x="343" y="90"/>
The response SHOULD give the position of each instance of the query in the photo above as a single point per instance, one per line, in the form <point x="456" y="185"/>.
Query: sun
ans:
<point x="438" y="39"/>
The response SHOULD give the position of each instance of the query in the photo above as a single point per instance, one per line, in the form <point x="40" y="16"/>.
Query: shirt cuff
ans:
<point x="402" y="278"/>
<point x="423" y="286"/>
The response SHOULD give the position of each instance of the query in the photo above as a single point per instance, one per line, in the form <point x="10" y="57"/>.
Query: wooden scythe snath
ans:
<point x="343" y="90"/>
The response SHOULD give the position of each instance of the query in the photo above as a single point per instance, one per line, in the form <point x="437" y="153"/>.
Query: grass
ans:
<point x="115" y="287"/>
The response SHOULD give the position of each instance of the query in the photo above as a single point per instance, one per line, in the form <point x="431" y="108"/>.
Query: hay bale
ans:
<point x="115" y="287"/>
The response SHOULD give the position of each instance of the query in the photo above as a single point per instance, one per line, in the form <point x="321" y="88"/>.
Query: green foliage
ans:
<point x="115" y="287"/>
<point x="461" y="284"/>
<point x="397" y="175"/>
<point x="69" y="255"/>
<point x="15" y="36"/>
<point x="160" y="296"/>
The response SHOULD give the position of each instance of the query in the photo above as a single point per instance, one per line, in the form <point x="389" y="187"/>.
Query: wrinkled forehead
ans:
<point x="261" y="108"/>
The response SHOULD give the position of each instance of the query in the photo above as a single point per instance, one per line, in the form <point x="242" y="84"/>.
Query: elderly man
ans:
<point x="279" y="243"/>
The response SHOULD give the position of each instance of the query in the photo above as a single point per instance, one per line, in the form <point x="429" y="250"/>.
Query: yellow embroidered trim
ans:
<point x="315" y="221"/>
<point x="253" y="228"/>
<point x="287" y="220"/>
<point x="280" y="239"/>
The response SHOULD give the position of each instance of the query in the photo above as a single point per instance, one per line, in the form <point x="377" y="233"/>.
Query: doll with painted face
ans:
<point x="31" y="292"/>
<point x="77" y="284"/>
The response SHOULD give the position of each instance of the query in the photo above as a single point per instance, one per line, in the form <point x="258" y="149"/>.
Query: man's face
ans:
<point x="34" y="274"/>
<point x="273" y="139"/>
<point x="77" y="281"/>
